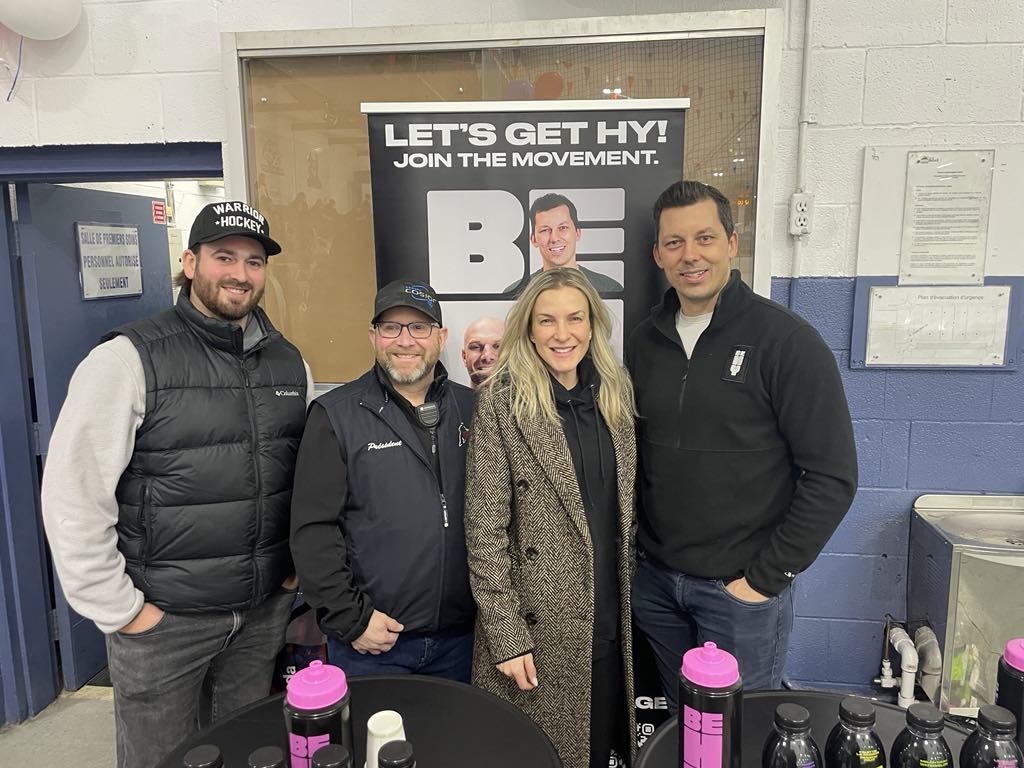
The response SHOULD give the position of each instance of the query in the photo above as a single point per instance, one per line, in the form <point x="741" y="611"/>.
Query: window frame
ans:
<point x="238" y="47"/>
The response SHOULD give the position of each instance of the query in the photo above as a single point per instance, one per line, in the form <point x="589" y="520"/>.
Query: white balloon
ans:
<point x="41" y="19"/>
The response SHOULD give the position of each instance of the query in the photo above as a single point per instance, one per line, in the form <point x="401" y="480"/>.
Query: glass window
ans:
<point x="309" y="160"/>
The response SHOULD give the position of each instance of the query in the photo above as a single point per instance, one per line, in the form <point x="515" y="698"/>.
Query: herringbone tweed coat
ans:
<point x="531" y="567"/>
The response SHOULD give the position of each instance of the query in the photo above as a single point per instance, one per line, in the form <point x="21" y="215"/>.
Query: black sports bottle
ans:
<point x="921" y="744"/>
<point x="790" y="744"/>
<point x="853" y="742"/>
<point x="992" y="744"/>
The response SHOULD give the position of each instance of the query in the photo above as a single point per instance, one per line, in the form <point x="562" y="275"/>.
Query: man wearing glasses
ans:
<point x="376" y="529"/>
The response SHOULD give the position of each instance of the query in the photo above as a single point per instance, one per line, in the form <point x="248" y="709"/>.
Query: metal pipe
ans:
<point x="796" y="268"/>
<point x="805" y="98"/>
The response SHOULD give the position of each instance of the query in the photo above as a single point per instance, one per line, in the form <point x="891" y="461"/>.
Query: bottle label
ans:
<point x="702" y="739"/>
<point x="940" y="763"/>
<point x="868" y="758"/>
<point x="1009" y="762"/>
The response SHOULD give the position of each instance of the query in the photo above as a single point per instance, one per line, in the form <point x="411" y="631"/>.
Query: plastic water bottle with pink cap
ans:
<point x="317" y="712"/>
<point x="1010" y="683"/>
<point x="710" y="708"/>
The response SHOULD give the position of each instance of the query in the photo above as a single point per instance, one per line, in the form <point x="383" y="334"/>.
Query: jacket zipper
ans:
<point x="259" y="478"/>
<point x="682" y="395"/>
<point x="444" y="526"/>
<point x="441" y="570"/>
<point x="144" y="525"/>
<point x="433" y="452"/>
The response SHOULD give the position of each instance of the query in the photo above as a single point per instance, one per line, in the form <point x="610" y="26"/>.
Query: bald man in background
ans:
<point x="480" y="348"/>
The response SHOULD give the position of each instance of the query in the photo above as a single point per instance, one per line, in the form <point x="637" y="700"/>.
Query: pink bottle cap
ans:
<point x="710" y="667"/>
<point x="317" y="686"/>
<point x="1014" y="653"/>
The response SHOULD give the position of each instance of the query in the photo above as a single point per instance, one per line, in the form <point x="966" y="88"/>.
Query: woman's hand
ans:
<point x="521" y="668"/>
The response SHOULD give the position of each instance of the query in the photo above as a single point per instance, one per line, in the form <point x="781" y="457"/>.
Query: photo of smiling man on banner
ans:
<point x="554" y="233"/>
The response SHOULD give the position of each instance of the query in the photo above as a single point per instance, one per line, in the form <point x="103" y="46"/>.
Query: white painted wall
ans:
<point x="928" y="72"/>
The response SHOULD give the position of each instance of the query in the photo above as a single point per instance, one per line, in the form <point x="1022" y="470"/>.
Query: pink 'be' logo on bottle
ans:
<point x="303" y="748"/>
<point x="702" y="739"/>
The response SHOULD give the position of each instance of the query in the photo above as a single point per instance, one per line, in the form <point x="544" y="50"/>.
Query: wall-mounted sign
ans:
<point x="931" y="325"/>
<point x="945" y="218"/>
<point x="108" y="260"/>
<point x="159" y="212"/>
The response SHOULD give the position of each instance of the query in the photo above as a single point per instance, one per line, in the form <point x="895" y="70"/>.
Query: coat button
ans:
<point x="531" y="553"/>
<point x="530" y="619"/>
<point x="523" y="485"/>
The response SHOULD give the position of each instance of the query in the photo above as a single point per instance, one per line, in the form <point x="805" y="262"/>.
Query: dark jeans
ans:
<point x="160" y="675"/>
<point x="446" y="653"/>
<point x="678" y="612"/>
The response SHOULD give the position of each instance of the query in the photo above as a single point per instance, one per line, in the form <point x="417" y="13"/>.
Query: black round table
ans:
<point x="448" y="724"/>
<point x="662" y="749"/>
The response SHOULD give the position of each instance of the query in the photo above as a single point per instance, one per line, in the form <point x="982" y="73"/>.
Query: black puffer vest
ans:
<point x="204" y="502"/>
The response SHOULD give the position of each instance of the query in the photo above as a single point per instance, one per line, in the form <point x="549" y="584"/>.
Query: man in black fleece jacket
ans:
<point x="746" y="450"/>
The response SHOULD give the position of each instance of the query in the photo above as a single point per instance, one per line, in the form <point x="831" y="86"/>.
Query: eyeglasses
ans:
<point x="418" y="330"/>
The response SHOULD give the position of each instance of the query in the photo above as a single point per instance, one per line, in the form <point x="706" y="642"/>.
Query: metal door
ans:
<point x="63" y="327"/>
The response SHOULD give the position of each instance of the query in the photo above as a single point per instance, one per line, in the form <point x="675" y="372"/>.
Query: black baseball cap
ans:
<point x="407" y="293"/>
<point x="231" y="217"/>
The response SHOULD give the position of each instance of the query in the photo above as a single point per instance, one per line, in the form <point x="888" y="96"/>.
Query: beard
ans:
<point x="423" y="368"/>
<point x="209" y="294"/>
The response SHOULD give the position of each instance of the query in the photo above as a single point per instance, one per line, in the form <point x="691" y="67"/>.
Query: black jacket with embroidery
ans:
<point x="746" y="453"/>
<point x="373" y="526"/>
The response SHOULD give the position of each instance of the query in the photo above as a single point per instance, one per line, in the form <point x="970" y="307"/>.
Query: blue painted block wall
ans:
<point x="917" y="432"/>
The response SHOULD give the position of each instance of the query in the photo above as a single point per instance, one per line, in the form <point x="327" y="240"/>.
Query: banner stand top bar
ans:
<point x="580" y="105"/>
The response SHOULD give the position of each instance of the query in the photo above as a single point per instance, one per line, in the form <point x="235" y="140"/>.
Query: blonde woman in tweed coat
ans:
<point x="550" y="522"/>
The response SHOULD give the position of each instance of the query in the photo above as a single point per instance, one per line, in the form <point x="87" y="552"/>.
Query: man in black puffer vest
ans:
<point x="167" y="491"/>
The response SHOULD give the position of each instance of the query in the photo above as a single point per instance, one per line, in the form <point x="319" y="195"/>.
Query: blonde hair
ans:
<point x="521" y="368"/>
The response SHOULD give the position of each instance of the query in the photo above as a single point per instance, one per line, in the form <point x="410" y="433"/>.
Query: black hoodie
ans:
<point x="593" y="458"/>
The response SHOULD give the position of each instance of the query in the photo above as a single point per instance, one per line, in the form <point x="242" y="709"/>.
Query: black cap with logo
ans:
<point x="231" y="217"/>
<point x="407" y="293"/>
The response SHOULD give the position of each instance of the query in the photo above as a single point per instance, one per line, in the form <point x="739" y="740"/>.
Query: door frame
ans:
<point x="29" y="678"/>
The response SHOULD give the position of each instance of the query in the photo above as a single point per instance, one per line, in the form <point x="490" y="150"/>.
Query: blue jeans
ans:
<point x="166" y="676"/>
<point x="678" y="612"/>
<point x="446" y="653"/>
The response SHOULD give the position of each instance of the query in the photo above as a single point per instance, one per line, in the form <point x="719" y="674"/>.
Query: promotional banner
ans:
<point x="475" y="198"/>
<point x="453" y="185"/>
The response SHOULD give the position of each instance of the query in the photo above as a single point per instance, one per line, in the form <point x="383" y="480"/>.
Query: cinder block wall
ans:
<point x="917" y="432"/>
<point x="930" y="73"/>
<point x="913" y="72"/>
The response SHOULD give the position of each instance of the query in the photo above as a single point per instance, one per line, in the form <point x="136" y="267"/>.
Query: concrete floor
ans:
<point x="75" y="730"/>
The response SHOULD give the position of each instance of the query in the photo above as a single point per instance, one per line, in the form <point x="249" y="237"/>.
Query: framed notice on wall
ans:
<point x="945" y="218"/>
<point x="109" y="261"/>
<point x="940" y="270"/>
<point x="928" y="325"/>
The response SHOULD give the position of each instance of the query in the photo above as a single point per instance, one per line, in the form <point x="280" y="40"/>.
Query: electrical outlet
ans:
<point x="801" y="213"/>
